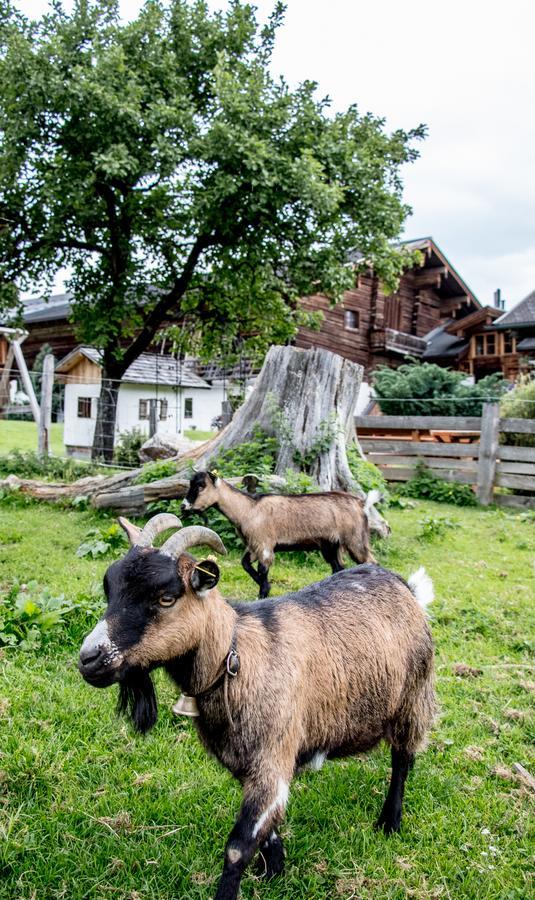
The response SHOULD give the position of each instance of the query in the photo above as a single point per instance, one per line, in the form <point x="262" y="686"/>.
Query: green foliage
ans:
<point x="432" y="527"/>
<point x="258" y="456"/>
<point x="368" y="475"/>
<point x="519" y="404"/>
<point x="427" y="486"/>
<point x="322" y="442"/>
<point x="162" y="468"/>
<point x="162" y="150"/>
<point x="425" y="389"/>
<point x="297" y="483"/>
<point x="110" y="539"/>
<point x="126" y="452"/>
<point x="28" y="616"/>
<point x="29" y="465"/>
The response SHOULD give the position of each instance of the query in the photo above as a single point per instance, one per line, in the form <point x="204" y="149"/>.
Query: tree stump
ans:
<point x="306" y="399"/>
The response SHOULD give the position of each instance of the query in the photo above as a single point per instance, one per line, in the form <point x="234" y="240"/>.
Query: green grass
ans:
<point x="23" y="436"/>
<point x="195" y="435"/>
<point x="89" y="810"/>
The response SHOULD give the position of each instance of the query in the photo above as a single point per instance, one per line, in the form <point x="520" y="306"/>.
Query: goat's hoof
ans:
<point x="270" y="865"/>
<point x="388" y="824"/>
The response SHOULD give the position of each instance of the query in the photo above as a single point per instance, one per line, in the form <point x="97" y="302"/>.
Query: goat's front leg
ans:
<point x="261" y="811"/>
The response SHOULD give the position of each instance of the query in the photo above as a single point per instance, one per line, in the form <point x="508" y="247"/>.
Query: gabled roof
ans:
<point x="148" y="368"/>
<point x="520" y="316"/>
<point x="479" y="317"/>
<point x="451" y="285"/>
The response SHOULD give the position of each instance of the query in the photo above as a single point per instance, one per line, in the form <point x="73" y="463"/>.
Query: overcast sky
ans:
<point x="463" y="67"/>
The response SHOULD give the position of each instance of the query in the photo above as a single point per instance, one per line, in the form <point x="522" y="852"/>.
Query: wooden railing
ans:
<point x="465" y="450"/>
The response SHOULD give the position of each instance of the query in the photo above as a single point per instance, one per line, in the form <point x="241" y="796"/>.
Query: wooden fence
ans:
<point x="464" y="450"/>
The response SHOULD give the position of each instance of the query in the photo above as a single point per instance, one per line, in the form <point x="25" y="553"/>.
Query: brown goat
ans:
<point x="330" y="522"/>
<point x="327" y="671"/>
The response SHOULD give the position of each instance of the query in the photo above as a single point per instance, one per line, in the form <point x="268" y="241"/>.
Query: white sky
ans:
<point x="463" y="67"/>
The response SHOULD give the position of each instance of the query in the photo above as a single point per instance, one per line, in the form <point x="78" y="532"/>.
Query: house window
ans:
<point x="491" y="344"/>
<point x="480" y="345"/>
<point x="351" y="319"/>
<point x="509" y="343"/>
<point x="188" y="408"/>
<point x="84" y="407"/>
<point x="163" y="410"/>
<point x="144" y="407"/>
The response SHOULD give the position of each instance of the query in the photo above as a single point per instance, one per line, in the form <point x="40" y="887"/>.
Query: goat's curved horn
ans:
<point x="144" y="537"/>
<point x="192" y="536"/>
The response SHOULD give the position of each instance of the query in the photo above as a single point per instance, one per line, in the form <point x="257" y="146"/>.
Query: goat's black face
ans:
<point x="202" y="492"/>
<point x="138" y="588"/>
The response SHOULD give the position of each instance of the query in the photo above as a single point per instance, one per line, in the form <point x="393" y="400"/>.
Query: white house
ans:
<point x="180" y="398"/>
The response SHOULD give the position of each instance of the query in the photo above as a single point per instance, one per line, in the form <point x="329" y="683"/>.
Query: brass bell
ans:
<point x="186" y="706"/>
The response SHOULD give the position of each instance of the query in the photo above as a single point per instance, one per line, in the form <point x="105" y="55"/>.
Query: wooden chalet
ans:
<point x="372" y="329"/>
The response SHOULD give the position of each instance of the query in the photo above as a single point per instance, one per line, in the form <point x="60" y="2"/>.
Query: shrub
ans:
<point x="127" y="448"/>
<point x="31" y="617"/>
<point x="102" y="541"/>
<point x="368" y="475"/>
<point x="258" y="456"/>
<point x="30" y="465"/>
<point x="162" y="468"/>
<point x="432" y="527"/>
<point x="519" y="404"/>
<point x="427" y="486"/>
<point x="425" y="389"/>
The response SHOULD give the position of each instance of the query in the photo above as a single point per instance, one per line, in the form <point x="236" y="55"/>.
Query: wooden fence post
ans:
<point x="488" y="451"/>
<point x="153" y="417"/>
<point x="45" y="416"/>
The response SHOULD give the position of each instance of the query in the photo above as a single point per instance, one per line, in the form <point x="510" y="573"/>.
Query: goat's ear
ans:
<point x="132" y="531"/>
<point x="204" y="576"/>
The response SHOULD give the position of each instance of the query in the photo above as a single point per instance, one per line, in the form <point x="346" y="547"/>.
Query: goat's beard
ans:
<point x="137" y="698"/>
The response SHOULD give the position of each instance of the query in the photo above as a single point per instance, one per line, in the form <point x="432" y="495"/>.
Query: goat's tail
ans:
<point x="372" y="498"/>
<point x="422" y="587"/>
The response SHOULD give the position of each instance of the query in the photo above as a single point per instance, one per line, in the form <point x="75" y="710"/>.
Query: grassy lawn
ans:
<point x="23" y="436"/>
<point x="195" y="435"/>
<point x="89" y="810"/>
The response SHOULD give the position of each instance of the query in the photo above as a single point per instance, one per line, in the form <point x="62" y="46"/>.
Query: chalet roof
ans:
<point x="520" y="316"/>
<point x="58" y="306"/>
<point x="479" y="317"/>
<point x="443" y="345"/>
<point x="450" y="285"/>
<point x="148" y="368"/>
<point x="525" y="345"/>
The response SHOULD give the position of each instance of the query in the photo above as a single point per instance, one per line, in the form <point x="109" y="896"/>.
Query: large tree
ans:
<point x="174" y="177"/>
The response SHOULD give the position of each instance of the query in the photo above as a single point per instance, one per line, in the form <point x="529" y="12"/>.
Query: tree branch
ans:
<point x="157" y="315"/>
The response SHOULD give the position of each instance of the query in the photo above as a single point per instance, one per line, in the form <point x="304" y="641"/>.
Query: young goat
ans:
<point x="330" y="522"/>
<point x="327" y="671"/>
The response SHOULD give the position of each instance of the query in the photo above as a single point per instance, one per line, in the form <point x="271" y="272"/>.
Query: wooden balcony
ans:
<point x="388" y="340"/>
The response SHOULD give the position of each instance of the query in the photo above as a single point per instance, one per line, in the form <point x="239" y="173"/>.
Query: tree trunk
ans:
<point x="104" y="437"/>
<point x="306" y="399"/>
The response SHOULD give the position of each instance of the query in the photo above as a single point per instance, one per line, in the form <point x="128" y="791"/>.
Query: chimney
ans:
<point x="498" y="302"/>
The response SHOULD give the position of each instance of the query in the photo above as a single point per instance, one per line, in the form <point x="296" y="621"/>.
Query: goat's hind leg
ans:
<point x="332" y="554"/>
<point x="249" y="568"/>
<point x="390" y="817"/>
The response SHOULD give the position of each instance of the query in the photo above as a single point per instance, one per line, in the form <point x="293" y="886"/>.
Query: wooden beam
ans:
<point x="46" y="405"/>
<point x="452" y="303"/>
<point x="26" y="380"/>
<point x="429" y="277"/>
<point x="488" y="447"/>
<point x="425" y="423"/>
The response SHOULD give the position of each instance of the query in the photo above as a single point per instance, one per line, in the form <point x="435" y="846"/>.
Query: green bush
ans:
<point x="103" y="541"/>
<point x="432" y="527"/>
<point x="424" y="485"/>
<point x="425" y="389"/>
<point x="29" y="465"/>
<point x="519" y="404"/>
<point x="127" y="448"/>
<point x="162" y="468"/>
<point x="258" y="456"/>
<point x="368" y="475"/>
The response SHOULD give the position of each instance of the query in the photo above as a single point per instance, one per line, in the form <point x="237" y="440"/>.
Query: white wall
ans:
<point x="79" y="432"/>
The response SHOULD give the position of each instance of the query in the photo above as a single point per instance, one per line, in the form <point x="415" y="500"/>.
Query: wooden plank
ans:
<point x="45" y="417"/>
<point x="399" y="473"/>
<point x="467" y="465"/>
<point x="524" y="482"/>
<point x="26" y="380"/>
<point x="522" y="426"/>
<point x="515" y="500"/>
<point x="515" y="468"/>
<point x="427" y="423"/>
<point x="519" y="454"/>
<point x="488" y="447"/>
<point x="420" y="448"/>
